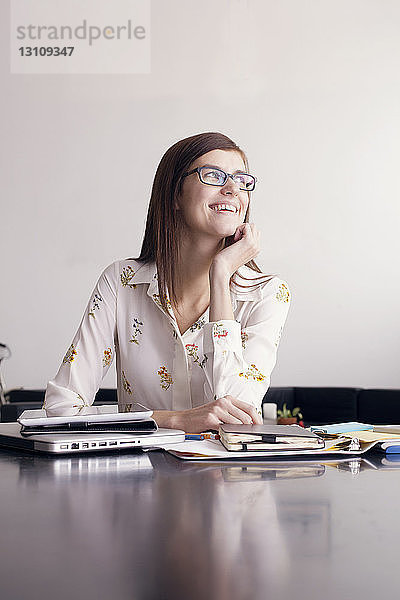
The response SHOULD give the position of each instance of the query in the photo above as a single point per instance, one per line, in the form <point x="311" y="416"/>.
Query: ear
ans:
<point x="176" y="204"/>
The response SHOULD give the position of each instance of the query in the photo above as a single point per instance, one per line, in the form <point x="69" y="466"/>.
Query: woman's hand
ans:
<point x="209" y="416"/>
<point x="245" y="247"/>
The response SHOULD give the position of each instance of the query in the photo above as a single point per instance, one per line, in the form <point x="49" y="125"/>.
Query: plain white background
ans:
<point x="310" y="89"/>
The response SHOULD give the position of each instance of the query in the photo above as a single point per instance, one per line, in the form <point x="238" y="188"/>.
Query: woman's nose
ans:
<point x="230" y="187"/>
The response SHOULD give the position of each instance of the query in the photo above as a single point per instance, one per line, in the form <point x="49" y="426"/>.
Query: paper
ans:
<point x="387" y="429"/>
<point x="213" y="449"/>
<point x="341" y="427"/>
<point x="371" y="436"/>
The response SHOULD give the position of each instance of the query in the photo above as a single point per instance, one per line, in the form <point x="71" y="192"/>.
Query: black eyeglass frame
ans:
<point x="231" y="175"/>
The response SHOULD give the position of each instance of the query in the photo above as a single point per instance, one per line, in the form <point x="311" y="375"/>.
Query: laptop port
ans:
<point x="85" y="445"/>
<point x="112" y="443"/>
<point x="64" y="447"/>
<point x="74" y="446"/>
<point x="102" y="443"/>
<point x="93" y="444"/>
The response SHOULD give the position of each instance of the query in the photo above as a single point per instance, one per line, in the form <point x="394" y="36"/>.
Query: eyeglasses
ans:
<point x="214" y="176"/>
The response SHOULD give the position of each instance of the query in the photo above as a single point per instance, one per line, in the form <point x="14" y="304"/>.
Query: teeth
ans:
<point x="220" y="207"/>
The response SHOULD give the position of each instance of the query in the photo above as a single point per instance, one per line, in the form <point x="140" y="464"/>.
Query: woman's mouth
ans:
<point x="225" y="208"/>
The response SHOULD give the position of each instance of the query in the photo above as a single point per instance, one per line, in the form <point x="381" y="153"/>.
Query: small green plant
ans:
<point x="286" y="413"/>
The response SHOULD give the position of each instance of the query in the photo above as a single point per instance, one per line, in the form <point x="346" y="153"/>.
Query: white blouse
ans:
<point x="156" y="365"/>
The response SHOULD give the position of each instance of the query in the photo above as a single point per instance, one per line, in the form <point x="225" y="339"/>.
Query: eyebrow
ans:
<point x="220" y="168"/>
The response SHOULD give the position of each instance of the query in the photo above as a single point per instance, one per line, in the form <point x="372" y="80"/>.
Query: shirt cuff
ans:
<point x="61" y="401"/>
<point x="222" y="336"/>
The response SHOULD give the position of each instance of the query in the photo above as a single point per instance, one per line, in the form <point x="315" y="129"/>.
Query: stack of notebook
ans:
<point x="96" y="419"/>
<point x="243" y="438"/>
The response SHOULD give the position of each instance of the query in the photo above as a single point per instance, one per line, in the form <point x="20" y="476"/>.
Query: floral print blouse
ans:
<point x="156" y="364"/>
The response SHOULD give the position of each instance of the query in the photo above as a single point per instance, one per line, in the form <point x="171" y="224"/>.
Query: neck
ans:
<point x="192" y="283"/>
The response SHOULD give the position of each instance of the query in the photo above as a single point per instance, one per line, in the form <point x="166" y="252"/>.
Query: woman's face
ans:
<point x="198" y="202"/>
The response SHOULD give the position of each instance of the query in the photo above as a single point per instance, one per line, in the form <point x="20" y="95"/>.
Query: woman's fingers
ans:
<point x="247" y="408"/>
<point x="238" y="235"/>
<point x="245" y="247"/>
<point x="252" y="237"/>
<point x="226" y="409"/>
<point x="232" y="410"/>
<point x="230" y="414"/>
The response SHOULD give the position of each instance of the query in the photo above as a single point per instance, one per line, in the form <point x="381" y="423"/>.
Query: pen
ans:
<point x="202" y="436"/>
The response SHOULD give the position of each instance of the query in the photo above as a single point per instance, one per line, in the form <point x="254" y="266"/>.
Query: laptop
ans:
<point x="67" y="443"/>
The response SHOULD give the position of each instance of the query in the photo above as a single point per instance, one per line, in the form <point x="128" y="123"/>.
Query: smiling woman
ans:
<point x="204" y="319"/>
<point x="212" y="203"/>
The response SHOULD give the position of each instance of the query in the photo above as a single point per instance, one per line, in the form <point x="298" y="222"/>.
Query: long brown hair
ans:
<point x="163" y="225"/>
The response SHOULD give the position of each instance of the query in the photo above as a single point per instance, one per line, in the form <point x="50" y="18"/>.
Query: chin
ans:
<point x="227" y="229"/>
<point x="231" y="231"/>
<point x="222" y="235"/>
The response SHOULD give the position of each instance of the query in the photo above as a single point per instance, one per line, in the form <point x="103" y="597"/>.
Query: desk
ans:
<point x="147" y="526"/>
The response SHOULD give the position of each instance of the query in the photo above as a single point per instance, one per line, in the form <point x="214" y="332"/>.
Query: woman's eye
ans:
<point x="213" y="175"/>
<point x="243" y="181"/>
<point x="240" y="180"/>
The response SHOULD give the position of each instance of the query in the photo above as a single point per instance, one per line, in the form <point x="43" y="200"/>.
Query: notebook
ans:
<point x="59" y="443"/>
<point x="268" y="437"/>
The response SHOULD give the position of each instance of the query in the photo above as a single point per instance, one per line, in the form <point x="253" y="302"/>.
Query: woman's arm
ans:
<point x="245" y="247"/>
<point x="241" y="356"/>
<point x="91" y="353"/>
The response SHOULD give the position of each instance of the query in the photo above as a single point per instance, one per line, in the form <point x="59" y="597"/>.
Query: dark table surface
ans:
<point x="146" y="525"/>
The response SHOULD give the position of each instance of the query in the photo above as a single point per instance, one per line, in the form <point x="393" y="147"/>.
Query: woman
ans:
<point x="192" y="324"/>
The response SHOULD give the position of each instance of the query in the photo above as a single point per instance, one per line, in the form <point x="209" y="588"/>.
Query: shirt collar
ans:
<point x="147" y="273"/>
<point x="144" y="273"/>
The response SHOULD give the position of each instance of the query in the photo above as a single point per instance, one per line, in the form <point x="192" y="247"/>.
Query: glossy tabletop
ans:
<point x="146" y="525"/>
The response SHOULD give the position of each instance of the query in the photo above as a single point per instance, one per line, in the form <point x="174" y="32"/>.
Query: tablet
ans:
<point x="89" y="414"/>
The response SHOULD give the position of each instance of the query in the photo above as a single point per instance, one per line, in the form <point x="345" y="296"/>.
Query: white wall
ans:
<point x="310" y="89"/>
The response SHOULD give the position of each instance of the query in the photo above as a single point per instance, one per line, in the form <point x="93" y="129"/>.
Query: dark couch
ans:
<point x="319" y="405"/>
<point x="322" y="405"/>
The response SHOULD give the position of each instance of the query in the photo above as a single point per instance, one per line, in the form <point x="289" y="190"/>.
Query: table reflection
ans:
<point x="127" y="525"/>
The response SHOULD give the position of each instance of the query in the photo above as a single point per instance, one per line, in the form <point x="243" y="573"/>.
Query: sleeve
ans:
<point x="241" y="356"/>
<point x="91" y="353"/>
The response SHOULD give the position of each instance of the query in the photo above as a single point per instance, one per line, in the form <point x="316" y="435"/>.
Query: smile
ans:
<point x="224" y="208"/>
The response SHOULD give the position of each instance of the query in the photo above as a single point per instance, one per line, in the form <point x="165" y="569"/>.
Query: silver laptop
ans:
<point x="67" y="443"/>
